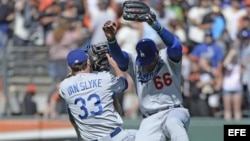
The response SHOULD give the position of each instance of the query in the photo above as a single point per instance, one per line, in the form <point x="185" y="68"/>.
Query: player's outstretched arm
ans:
<point x="119" y="56"/>
<point x="174" y="50"/>
<point x="113" y="64"/>
<point x="118" y="73"/>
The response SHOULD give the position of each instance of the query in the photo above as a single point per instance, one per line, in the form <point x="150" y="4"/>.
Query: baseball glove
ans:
<point x="97" y="56"/>
<point x="138" y="11"/>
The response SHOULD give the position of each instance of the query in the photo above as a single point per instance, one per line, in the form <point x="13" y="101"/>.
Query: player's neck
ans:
<point x="83" y="71"/>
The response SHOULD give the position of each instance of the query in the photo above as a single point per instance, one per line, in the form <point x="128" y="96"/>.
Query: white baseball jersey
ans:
<point x="89" y="98"/>
<point x="157" y="89"/>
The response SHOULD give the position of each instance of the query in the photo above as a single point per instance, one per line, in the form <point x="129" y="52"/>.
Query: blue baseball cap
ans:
<point x="76" y="56"/>
<point x="209" y="33"/>
<point x="146" y="52"/>
<point x="245" y="34"/>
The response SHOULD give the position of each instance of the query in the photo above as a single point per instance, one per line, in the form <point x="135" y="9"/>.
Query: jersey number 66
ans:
<point x="161" y="81"/>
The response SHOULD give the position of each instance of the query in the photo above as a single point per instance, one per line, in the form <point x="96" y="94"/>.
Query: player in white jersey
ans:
<point x="157" y="78"/>
<point x="89" y="97"/>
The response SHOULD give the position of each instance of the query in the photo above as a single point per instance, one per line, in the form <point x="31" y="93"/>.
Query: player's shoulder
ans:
<point x="69" y="80"/>
<point x="64" y="82"/>
<point x="100" y="73"/>
<point x="163" y="52"/>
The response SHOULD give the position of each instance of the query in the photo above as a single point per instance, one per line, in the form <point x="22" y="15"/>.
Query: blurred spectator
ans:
<point x="243" y="42"/>
<point x="201" y="87"/>
<point x="206" y="84"/>
<point x="2" y="103"/>
<point x="29" y="106"/>
<point x="49" y="12"/>
<point x="21" y="33"/>
<point x="89" y="5"/>
<point x="196" y="103"/>
<point x="225" y="3"/>
<point x="218" y="22"/>
<point x="56" y="105"/>
<point x="178" y="8"/>
<point x="232" y="86"/>
<point x="2" y="99"/>
<point x="185" y="7"/>
<point x="98" y="18"/>
<point x="186" y="69"/>
<point x="130" y="100"/>
<point x="210" y="50"/>
<point x="179" y="30"/>
<point x="6" y="17"/>
<point x="18" y="24"/>
<point x="32" y="24"/>
<point x="128" y="34"/>
<point x="194" y="18"/>
<point x="186" y="63"/>
<point x="246" y="2"/>
<point x="166" y="14"/>
<point x="27" y="27"/>
<point x="70" y="11"/>
<point x="14" y="100"/>
<point x="215" y="21"/>
<point x="65" y="24"/>
<point x="247" y="83"/>
<point x="44" y="4"/>
<point x="63" y="38"/>
<point x="233" y="13"/>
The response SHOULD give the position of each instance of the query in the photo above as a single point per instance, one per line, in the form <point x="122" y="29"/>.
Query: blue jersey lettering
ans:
<point x="72" y="89"/>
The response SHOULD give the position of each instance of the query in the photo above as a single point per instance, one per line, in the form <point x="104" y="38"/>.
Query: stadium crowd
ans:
<point x="215" y="35"/>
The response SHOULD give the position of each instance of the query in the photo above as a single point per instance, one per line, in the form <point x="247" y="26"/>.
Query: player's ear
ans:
<point x="70" y="70"/>
<point x="89" y="62"/>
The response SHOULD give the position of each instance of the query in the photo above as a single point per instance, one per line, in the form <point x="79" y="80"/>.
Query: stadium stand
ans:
<point x="27" y="65"/>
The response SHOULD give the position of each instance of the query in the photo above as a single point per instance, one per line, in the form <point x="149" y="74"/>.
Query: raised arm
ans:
<point x="115" y="51"/>
<point x="173" y="44"/>
<point x="118" y="73"/>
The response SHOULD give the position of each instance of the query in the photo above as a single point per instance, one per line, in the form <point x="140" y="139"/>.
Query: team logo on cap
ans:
<point x="76" y="61"/>
<point x="142" y="54"/>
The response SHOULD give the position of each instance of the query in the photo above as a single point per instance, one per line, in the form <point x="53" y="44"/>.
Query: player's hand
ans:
<point x="109" y="29"/>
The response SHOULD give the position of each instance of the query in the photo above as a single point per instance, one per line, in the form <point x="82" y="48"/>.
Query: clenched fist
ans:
<point x="109" y="29"/>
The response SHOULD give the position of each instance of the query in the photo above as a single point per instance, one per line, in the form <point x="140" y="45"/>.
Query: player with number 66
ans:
<point x="157" y="77"/>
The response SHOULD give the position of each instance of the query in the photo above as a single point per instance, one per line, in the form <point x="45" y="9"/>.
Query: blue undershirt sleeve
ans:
<point x="174" y="49"/>
<point x="121" y="57"/>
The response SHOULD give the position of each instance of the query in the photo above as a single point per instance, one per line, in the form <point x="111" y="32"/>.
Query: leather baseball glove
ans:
<point x="138" y="11"/>
<point x="97" y="56"/>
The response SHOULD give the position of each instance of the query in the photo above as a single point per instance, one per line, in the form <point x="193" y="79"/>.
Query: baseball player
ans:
<point x="89" y="97"/>
<point x="157" y="78"/>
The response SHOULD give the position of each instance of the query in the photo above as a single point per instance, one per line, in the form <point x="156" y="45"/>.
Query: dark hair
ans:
<point x="78" y="67"/>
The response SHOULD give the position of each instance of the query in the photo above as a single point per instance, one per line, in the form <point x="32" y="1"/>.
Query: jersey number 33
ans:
<point x="91" y="99"/>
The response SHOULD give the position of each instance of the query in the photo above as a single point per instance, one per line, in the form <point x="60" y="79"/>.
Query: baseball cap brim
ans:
<point x="144" y="61"/>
